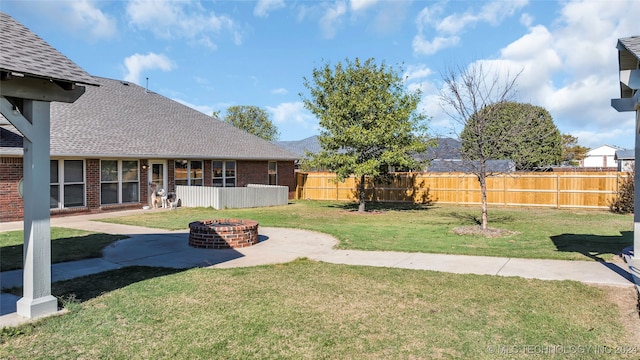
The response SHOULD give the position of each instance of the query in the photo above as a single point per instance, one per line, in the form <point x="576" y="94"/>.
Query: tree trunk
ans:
<point x="361" y="207"/>
<point x="483" y="191"/>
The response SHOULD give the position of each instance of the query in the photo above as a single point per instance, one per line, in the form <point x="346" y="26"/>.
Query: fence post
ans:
<point x="558" y="191"/>
<point x="504" y="188"/>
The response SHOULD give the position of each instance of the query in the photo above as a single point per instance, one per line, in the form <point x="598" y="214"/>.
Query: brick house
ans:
<point x="118" y="138"/>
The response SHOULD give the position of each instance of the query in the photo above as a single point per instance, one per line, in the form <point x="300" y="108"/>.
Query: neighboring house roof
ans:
<point x="300" y="147"/>
<point x="625" y="154"/>
<point x="457" y="165"/>
<point x="22" y="51"/>
<point x="121" y="119"/>
<point x="603" y="150"/>
<point x="446" y="148"/>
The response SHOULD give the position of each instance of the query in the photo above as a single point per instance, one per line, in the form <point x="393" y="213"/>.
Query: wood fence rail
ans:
<point x="588" y="190"/>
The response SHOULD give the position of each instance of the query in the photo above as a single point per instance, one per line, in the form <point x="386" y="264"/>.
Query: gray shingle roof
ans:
<point x="632" y="44"/>
<point x="24" y="52"/>
<point x="120" y="119"/>
<point x="625" y="154"/>
<point x="10" y="140"/>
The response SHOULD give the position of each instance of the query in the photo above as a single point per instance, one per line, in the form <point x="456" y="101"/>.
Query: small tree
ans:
<point x="572" y="153"/>
<point x="623" y="202"/>
<point x="253" y="120"/>
<point x="480" y="101"/>
<point x="368" y="121"/>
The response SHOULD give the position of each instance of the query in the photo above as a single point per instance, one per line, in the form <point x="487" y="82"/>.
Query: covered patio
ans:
<point x="32" y="75"/>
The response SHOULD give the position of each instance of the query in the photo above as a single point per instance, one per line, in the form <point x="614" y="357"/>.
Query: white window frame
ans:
<point x="190" y="179"/>
<point x="61" y="184"/>
<point x="224" y="173"/>
<point x="120" y="180"/>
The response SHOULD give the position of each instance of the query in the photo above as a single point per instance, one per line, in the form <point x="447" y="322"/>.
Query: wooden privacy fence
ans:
<point x="233" y="197"/>
<point x="592" y="190"/>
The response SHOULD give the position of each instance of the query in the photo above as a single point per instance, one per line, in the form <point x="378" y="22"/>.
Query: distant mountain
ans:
<point x="300" y="147"/>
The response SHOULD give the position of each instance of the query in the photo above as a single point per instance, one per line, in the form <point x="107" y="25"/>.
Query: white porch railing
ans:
<point x="253" y="195"/>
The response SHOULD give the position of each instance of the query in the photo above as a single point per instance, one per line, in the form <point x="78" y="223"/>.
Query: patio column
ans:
<point x="37" y="300"/>
<point x="636" y="194"/>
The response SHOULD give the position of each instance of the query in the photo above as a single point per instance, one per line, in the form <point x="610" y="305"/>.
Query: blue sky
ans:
<point x="214" y="54"/>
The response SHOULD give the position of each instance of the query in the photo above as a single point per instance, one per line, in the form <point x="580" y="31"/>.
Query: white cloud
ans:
<point x="205" y="109"/>
<point x="176" y="19"/>
<point x="263" y="7"/>
<point x="423" y="46"/>
<point x="136" y="64"/>
<point x="571" y="69"/>
<point x="357" y="5"/>
<point x="450" y="27"/>
<point x="279" y="91"/>
<point x="526" y="19"/>
<point x="292" y="113"/>
<point x="612" y="136"/>
<point x="332" y="19"/>
<point x="415" y="72"/>
<point x="86" y="16"/>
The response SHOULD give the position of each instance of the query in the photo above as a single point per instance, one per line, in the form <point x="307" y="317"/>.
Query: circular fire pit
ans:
<point x="223" y="233"/>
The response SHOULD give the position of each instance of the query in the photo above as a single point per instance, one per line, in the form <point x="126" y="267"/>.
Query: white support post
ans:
<point x="37" y="300"/>
<point x="636" y="195"/>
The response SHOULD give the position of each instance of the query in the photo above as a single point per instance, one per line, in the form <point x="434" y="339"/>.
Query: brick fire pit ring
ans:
<point x="223" y="233"/>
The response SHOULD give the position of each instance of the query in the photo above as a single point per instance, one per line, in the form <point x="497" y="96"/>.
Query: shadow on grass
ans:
<point x="62" y="249"/>
<point x="87" y="287"/>
<point x="594" y="246"/>
<point x="382" y="206"/>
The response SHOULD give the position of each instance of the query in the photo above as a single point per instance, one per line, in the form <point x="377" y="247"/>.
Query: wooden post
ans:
<point x="558" y="191"/>
<point x="36" y="300"/>
<point x="504" y="189"/>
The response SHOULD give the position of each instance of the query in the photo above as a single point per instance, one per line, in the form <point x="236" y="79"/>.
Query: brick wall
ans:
<point x="11" y="204"/>
<point x="93" y="183"/>
<point x="252" y="172"/>
<point x="287" y="176"/>
<point x="11" y="171"/>
<point x="257" y="172"/>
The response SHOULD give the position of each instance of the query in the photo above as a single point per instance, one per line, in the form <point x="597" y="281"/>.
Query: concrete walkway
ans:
<point x="157" y="247"/>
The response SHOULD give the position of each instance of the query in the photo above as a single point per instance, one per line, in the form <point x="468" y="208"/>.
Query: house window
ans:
<point x="67" y="183"/>
<point x="273" y="173"/>
<point x="119" y="181"/>
<point x="188" y="173"/>
<point x="224" y="173"/>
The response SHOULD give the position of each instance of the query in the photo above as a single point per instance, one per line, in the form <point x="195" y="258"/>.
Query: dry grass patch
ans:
<point x="488" y="232"/>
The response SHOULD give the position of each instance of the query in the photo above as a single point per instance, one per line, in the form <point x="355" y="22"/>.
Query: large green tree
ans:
<point x="253" y="120"/>
<point x="522" y="133"/>
<point x="368" y="120"/>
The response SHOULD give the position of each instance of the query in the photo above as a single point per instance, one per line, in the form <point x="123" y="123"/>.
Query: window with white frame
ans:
<point x="224" y="173"/>
<point x="273" y="173"/>
<point x="119" y="181"/>
<point x="188" y="173"/>
<point x="67" y="183"/>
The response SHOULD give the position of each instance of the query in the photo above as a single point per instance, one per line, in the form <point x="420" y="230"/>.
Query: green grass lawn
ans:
<point x="66" y="245"/>
<point x="312" y="310"/>
<point x="541" y="233"/>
